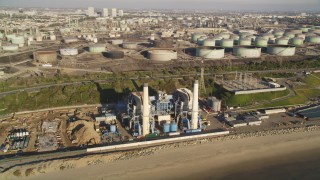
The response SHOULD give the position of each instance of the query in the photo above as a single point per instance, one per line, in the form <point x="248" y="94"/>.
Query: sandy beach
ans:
<point x="281" y="156"/>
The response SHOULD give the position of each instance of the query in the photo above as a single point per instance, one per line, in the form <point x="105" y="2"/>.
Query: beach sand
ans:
<point x="285" y="156"/>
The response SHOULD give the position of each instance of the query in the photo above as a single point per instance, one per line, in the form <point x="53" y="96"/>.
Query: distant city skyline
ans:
<point x="254" y="5"/>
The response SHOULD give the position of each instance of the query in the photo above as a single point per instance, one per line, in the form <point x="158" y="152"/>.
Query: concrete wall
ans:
<point x="259" y="91"/>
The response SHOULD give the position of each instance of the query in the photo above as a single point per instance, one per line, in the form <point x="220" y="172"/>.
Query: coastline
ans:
<point x="224" y="157"/>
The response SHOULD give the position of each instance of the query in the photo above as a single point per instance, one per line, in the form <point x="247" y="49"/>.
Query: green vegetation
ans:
<point x="304" y="92"/>
<point x="249" y="99"/>
<point x="88" y="93"/>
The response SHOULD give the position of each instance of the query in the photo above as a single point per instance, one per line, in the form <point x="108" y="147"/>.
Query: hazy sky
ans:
<point x="173" y="4"/>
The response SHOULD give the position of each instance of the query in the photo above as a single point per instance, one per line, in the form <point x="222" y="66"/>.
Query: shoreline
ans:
<point x="60" y="166"/>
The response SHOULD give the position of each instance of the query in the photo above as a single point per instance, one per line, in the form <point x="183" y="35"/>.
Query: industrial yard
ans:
<point x="81" y="82"/>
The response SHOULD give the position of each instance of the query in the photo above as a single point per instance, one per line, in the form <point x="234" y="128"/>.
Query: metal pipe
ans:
<point x="194" y="115"/>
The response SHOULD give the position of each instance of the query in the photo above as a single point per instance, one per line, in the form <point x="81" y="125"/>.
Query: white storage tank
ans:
<point x="278" y="33"/>
<point x="70" y="40"/>
<point x="69" y="52"/>
<point x="10" y="36"/>
<point x="244" y="41"/>
<point x="226" y="43"/>
<point x="10" y="48"/>
<point x="261" y="42"/>
<point x="97" y="48"/>
<point x="209" y="42"/>
<point x="17" y="40"/>
<point x="313" y="39"/>
<point x="117" y="41"/>
<point x="210" y="52"/>
<point x="290" y="34"/>
<point x="195" y="36"/>
<point x="53" y="37"/>
<point x="129" y="45"/>
<point x="162" y="55"/>
<point x="281" y="50"/>
<point x="38" y="38"/>
<point x="296" y="41"/>
<point x="282" y="41"/>
<point x="246" y="51"/>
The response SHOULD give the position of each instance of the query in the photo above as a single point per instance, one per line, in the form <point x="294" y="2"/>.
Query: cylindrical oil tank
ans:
<point x="278" y="33"/>
<point x="114" y="54"/>
<point x="261" y="42"/>
<point x="162" y="54"/>
<point x="200" y="41"/>
<point x="10" y="48"/>
<point x="209" y="42"/>
<point x="70" y="40"/>
<point x="53" y="37"/>
<point x="246" y="51"/>
<point x="244" y="42"/>
<point x="173" y="127"/>
<point x="69" y="52"/>
<point x="97" y="48"/>
<point x="313" y="39"/>
<point x="226" y="43"/>
<point x="10" y="36"/>
<point x="17" y="40"/>
<point x="163" y="43"/>
<point x="210" y="52"/>
<point x="296" y="41"/>
<point x="304" y="29"/>
<point x="290" y="34"/>
<point x="281" y="50"/>
<point x="46" y="56"/>
<point x="310" y="34"/>
<point x="166" y="128"/>
<point x="113" y="128"/>
<point x="195" y="36"/>
<point x="39" y="38"/>
<point x="117" y="41"/>
<point x="129" y="45"/>
<point x="282" y="41"/>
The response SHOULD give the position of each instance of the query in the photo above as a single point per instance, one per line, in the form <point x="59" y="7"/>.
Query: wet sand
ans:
<point x="286" y="156"/>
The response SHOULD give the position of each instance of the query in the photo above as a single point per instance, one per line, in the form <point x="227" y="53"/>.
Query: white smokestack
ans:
<point x="194" y="115"/>
<point x="146" y="111"/>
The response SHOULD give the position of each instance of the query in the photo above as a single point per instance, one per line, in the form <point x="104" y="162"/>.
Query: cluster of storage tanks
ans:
<point x="246" y="44"/>
<point x="15" y="41"/>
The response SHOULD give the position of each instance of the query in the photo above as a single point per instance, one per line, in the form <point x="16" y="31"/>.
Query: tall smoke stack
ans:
<point x="146" y="111"/>
<point x="195" y="108"/>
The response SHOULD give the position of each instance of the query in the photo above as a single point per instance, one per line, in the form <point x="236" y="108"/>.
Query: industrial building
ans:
<point x="163" y="113"/>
